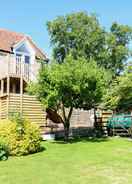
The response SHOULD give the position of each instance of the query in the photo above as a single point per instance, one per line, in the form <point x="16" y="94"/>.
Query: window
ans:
<point x="27" y="59"/>
<point x="23" y="49"/>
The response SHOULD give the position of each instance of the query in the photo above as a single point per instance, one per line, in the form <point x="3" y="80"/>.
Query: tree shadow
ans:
<point x="82" y="139"/>
<point x="82" y="134"/>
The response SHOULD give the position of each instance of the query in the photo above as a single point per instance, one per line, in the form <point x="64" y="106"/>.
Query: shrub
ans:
<point x="4" y="151"/>
<point x="22" y="136"/>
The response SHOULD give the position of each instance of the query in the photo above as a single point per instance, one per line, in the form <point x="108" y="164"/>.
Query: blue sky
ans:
<point x="30" y="16"/>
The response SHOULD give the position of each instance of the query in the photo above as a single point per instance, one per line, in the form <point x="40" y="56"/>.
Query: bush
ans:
<point x="4" y="151"/>
<point x="22" y="136"/>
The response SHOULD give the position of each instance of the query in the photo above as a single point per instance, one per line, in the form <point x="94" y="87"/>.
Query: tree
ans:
<point x="119" y="96"/>
<point x="72" y="84"/>
<point x="117" y="43"/>
<point x="81" y="35"/>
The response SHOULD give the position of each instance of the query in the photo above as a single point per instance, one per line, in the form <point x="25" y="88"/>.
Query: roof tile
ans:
<point x="10" y="38"/>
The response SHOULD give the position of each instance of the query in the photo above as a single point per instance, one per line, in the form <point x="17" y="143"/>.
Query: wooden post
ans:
<point x="0" y="106"/>
<point x="21" y="87"/>
<point x="8" y="95"/>
<point x="2" y="86"/>
<point x="21" y="94"/>
<point x="8" y="85"/>
<point x="2" y="92"/>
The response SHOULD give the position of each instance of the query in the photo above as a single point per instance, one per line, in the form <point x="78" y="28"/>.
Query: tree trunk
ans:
<point x="66" y="131"/>
<point x="95" y="118"/>
<point x="66" y="122"/>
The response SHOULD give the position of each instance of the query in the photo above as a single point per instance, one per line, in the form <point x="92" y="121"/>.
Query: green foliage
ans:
<point x="75" y="83"/>
<point x="119" y="96"/>
<point x="18" y="119"/>
<point x="72" y="84"/>
<point x="117" y="42"/>
<point x="21" y="140"/>
<point x="74" y="34"/>
<point x="81" y="35"/>
<point x="4" y="150"/>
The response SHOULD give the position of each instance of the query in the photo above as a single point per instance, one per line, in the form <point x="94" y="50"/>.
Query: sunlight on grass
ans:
<point x="79" y="162"/>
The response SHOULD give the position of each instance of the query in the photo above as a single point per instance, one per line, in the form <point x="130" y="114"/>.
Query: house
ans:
<point x="19" y="64"/>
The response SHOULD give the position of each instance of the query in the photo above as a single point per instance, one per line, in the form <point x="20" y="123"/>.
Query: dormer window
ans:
<point x="23" y="51"/>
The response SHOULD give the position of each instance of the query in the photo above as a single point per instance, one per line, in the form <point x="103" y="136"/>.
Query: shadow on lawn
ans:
<point x="42" y="148"/>
<point x="83" y="140"/>
<point x="82" y="134"/>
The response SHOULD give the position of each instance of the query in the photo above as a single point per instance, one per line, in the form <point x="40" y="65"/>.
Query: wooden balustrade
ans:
<point x="18" y="67"/>
<point x="15" y="66"/>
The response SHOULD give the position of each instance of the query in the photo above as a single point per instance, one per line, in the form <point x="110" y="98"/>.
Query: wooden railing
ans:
<point x="15" y="66"/>
<point x="18" y="67"/>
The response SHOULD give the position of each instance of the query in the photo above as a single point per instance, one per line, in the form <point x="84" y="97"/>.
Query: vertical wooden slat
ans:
<point x="8" y="94"/>
<point x="0" y="108"/>
<point x="21" y="87"/>
<point x="2" y="86"/>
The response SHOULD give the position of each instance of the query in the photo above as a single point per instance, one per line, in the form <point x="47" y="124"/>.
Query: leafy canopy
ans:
<point x="75" y="83"/>
<point x="119" y="97"/>
<point x="81" y="35"/>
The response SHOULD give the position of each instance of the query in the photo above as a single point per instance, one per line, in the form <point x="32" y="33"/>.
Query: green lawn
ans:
<point x="82" y="162"/>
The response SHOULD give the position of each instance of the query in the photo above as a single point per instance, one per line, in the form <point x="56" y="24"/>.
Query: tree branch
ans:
<point x="70" y="113"/>
<point x="63" y="112"/>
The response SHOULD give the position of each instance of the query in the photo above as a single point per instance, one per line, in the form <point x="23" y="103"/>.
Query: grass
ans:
<point x="80" y="162"/>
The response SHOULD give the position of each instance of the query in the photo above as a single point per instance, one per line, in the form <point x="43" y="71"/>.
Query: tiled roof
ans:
<point x="9" y="38"/>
